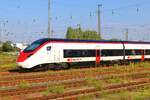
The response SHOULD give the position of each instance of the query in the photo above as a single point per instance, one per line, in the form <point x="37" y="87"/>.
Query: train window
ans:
<point x="85" y="53"/>
<point x="88" y="53"/>
<point x="104" y="53"/>
<point x="48" y="48"/>
<point x="128" y="52"/>
<point x="138" y="52"/>
<point x="35" y="45"/>
<point x="142" y="52"/>
<point x="118" y="52"/>
<point x="79" y="53"/>
<point x="147" y="52"/>
<point x="111" y="52"/>
<point x="76" y="53"/>
<point x="133" y="52"/>
<point x="67" y="53"/>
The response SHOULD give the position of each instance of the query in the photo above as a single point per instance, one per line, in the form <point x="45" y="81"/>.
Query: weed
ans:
<point x="145" y="64"/>
<point x="132" y="65"/>
<point x="0" y="76"/>
<point x="95" y="83"/>
<point x="7" y="60"/>
<point x="6" y="98"/>
<point x="89" y="72"/>
<point x="50" y="72"/>
<point x="115" y="80"/>
<point x="24" y="84"/>
<point x="118" y="96"/>
<point x="116" y="65"/>
<point x="45" y="93"/>
<point x="85" y="97"/>
<point x="56" y="89"/>
<point x="99" y="70"/>
<point x="137" y="96"/>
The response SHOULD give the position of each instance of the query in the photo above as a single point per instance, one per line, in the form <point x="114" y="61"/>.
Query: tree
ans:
<point x="79" y="34"/>
<point x="90" y="35"/>
<point x="6" y="47"/>
<point x="0" y="49"/>
<point x="69" y="32"/>
<point x="73" y="33"/>
<point x="0" y="46"/>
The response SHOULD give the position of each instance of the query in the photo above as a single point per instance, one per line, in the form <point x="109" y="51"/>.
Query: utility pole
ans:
<point x="126" y="34"/>
<point x="2" y="25"/>
<point x="49" y="19"/>
<point x="0" y="32"/>
<point x="99" y="19"/>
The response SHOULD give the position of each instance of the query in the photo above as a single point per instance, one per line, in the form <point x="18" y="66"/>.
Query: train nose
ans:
<point x="23" y="56"/>
<point x="24" y="65"/>
<point x="21" y="64"/>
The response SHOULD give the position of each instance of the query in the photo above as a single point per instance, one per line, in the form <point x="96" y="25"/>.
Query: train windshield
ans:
<point x="35" y="45"/>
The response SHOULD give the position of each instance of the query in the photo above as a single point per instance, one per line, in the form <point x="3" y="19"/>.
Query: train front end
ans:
<point x="30" y="56"/>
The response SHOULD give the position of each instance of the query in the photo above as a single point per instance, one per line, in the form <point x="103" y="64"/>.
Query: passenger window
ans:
<point x="48" y="48"/>
<point x="133" y="52"/>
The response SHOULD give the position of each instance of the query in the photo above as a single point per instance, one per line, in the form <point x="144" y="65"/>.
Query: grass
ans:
<point x="117" y="96"/>
<point x="115" y="80"/>
<point x="85" y="97"/>
<point x="6" y="98"/>
<point x="51" y="72"/>
<point x="145" y="64"/>
<point x="24" y="84"/>
<point x="140" y="94"/>
<point x="7" y="60"/>
<point x="54" y="89"/>
<point x="94" y="83"/>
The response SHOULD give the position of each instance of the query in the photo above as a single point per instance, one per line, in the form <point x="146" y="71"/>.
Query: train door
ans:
<point x="143" y="55"/>
<point x="56" y="55"/>
<point x="97" y="56"/>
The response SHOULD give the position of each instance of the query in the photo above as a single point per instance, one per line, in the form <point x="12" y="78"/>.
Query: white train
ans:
<point x="64" y="52"/>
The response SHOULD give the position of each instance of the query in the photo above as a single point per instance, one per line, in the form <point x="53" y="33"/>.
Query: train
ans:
<point x="63" y="52"/>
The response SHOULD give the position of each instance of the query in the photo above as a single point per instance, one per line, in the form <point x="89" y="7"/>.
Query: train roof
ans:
<point x="92" y="41"/>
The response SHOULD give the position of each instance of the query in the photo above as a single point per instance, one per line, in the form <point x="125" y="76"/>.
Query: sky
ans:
<point x="27" y="20"/>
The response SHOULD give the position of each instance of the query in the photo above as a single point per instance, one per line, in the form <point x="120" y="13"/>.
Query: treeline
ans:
<point x="7" y="47"/>
<point x="78" y="33"/>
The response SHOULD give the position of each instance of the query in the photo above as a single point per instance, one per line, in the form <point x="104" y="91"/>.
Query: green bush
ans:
<point x="6" y="47"/>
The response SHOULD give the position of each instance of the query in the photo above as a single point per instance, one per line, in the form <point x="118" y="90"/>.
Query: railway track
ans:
<point x="95" y="93"/>
<point x="13" y="81"/>
<point x="28" y="74"/>
<point x="67" y="84"/>
<point x="74" y="81"/>
<point x="73" y="95"/>
<point x="24" y="72"/>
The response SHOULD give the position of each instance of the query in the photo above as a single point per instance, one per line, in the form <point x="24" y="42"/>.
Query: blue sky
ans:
<point x="27" y="19"/>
